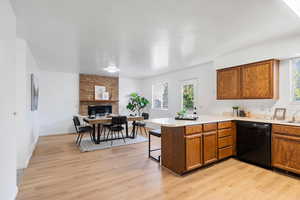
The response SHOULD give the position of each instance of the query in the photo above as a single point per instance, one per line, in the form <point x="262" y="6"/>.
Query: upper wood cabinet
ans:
<point x="260" y="80"/>
<point x="228" y="83"/>
<point x="251" y="81"/>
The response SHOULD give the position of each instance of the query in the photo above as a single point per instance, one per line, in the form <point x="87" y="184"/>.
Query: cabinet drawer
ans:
<point x="193" y="129"/>
<point x="286" y="130"/>
<point x="210" y="127"/>
<point x="225" y="142"/>
<point x="225" y="152"/>
<point x="225" y="132"/>
<point x="222" y="125"/>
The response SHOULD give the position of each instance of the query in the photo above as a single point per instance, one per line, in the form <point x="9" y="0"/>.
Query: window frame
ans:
<point x="292" y="82"/>
<point x="187" y="82"/>
<point x="152" y="96"/>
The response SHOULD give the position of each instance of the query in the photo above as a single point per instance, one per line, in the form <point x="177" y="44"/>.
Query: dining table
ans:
<point x="97" y="124"/>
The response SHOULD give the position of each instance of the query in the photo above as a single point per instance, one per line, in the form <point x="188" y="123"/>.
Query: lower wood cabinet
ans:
<point x="193" y="149"/>
<point x="190" y="147"/>
<point x="286" y="148"/>
<point x="210" y="147"/>
<point x="225" y="152"/>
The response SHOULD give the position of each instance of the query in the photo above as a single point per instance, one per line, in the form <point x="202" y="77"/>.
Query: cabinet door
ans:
<point x="228" y="83"/>
<point x="210" y="148"/>
<point x="257" y="81"/>
<point x="193" y="145"/>
<point x="286" y="152"/>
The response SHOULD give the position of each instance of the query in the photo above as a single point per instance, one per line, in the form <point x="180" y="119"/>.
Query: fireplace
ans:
<point x="87" y="93"/>
<point x="100" y="110"/>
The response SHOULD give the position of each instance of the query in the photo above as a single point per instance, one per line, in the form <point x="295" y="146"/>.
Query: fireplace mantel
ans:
<point x="99" y="101"/>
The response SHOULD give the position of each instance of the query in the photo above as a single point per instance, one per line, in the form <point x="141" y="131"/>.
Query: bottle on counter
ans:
<point x="195" y="111"/>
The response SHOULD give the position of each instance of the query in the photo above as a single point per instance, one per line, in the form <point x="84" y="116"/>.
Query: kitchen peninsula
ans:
<point x="188" y="145"/>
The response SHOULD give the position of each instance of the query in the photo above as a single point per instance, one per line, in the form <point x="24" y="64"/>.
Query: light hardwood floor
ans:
<point x="59" y="171"/>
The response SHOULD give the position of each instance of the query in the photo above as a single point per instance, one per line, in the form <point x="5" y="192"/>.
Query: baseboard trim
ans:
<point x="15" y="193"/>
<point x="32" y="148"/>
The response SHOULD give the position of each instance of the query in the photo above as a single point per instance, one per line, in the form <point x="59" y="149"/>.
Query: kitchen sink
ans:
<point x="293" y="122"/>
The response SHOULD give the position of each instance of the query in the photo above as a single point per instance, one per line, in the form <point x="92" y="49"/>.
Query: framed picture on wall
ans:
<point x="279" y="114"/>
<point x="99" y="91"/>
<point x="34" y="92"/>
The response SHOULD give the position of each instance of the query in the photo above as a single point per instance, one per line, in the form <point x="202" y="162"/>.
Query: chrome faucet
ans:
<point x="294" y="116"/>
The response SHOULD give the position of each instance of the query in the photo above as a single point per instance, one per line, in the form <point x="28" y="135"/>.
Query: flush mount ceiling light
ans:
<point x="112" y="69"/>
<point x="294" y="5"/>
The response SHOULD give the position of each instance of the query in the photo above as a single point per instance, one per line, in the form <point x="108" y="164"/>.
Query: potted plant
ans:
<point x="137" y="103"/>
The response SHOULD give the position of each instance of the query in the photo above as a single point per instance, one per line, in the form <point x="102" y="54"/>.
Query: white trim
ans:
<point x="15" y="193"/>
<point x="292" y="84"/>
<point x="194" y="82"/>
<point x="32" y="148"/>
<point x="152" y="89"/>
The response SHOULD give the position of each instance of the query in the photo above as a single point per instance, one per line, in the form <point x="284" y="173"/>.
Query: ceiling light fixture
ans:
<point x="112" y="69"/>
<point x="294" y="5"/>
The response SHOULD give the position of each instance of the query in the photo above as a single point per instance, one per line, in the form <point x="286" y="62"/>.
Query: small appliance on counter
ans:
<point x="242" y="113"/>
<point x="235" y="111"/>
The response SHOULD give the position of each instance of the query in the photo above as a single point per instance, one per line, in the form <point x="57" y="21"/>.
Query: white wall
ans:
<point x="280" y="49"/>
<point x="59" y="101"/>
<point x="8" y="187"/>
<point x="27" y="120"/>
<point x="205" y="76"/>
<point x="126" y="87"/>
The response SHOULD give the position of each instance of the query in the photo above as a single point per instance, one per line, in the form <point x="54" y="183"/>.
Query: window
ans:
<point x="296" y="80"/>
<point x="160" y="96"/>
<point x="188" y="92"/>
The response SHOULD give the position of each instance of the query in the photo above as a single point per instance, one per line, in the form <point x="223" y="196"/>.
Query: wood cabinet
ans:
<point x="193" y="145"/>
<point x="226" y="139"/>
<point x="286" y="148"/>
<point x="260" y="80"/>
<point x="228" y="83"/>
<point x="251" y="81"/>
<point x="190" y="147"/>
<point x="210" y="147"/>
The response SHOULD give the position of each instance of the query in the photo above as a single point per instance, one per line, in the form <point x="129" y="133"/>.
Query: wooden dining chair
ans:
<point x="81" y="130"/>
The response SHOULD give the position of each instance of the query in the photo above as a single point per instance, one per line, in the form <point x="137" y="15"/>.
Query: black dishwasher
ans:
<point x="254" y="143"/>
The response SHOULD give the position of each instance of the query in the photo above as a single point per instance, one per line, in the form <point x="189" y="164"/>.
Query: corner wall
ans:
<point x="8" y="188"/>
<point x="59" y="101"/>
<point x="27" y="120"/>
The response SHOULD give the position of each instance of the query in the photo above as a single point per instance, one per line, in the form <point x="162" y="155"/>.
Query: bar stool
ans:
<point x="157" y="133"/>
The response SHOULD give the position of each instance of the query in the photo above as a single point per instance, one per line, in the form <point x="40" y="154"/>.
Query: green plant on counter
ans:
<point x="235" y="107"/>
<point x="137" y="103"/>
<point x="181" y="113"/>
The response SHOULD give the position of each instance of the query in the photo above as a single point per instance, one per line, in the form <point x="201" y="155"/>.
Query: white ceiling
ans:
<point x="146" y="37"/>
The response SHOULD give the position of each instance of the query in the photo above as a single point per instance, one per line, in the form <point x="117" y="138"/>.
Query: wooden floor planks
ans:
<point x="58" y="171"/>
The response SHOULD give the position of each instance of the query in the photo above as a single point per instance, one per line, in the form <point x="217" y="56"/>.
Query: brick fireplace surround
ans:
<point x="87" y="92"/>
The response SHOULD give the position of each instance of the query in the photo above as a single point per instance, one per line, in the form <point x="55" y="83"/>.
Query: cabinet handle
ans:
<point x="286" y="137"/>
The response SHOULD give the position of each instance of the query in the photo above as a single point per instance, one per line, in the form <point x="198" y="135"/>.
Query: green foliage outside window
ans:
<point x="296" y="80"/>
<point x="188" y="97"/>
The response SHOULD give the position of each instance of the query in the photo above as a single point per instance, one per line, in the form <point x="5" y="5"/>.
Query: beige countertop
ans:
<point x="204" y="119"/>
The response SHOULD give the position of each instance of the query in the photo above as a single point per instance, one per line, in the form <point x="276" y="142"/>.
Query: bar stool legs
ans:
<point x="151" y="150"/>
